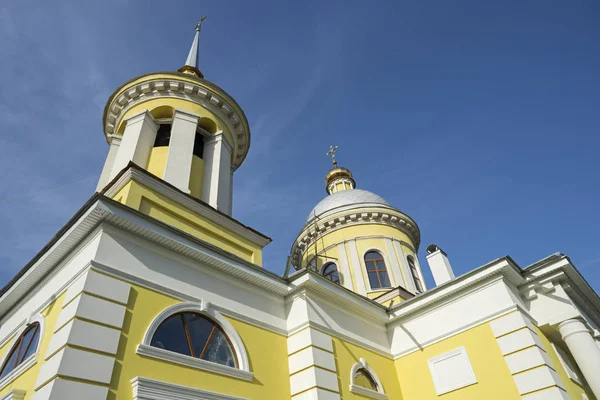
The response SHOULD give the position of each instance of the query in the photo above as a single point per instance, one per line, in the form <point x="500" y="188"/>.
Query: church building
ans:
<point x="154" y="291"/>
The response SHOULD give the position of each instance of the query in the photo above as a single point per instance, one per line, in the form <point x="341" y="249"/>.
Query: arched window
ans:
<point x="25" y="346"/>
<point x="414" y="273"/>
<point x="330" y="271"/>
<point x="364" y="379"/>
<point x="194" y="335"/>
<point x="378" y="276"/>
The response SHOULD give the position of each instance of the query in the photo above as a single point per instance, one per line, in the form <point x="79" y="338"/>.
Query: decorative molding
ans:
<point x="150" y="389"/>
<point x="461" y="366"/>
<point x="205" y="308"/>
<point x="174" y="87"/>
<point x="17" y="372"/>
<point x="14" y="394"/>
<point x="363" y="391"/>
<point x="378" y="394"/>
<point x="342" y="218"/>
<point x="170" y="356"/>
<point x="184" y="297"/>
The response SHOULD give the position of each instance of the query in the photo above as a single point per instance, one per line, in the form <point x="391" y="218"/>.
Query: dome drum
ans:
<point x="173" y="85"/>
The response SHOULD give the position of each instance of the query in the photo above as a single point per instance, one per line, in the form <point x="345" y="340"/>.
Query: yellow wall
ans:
<point x="575" y="390"/>
<point x="494" y="380"/>
<point x="158" y="161"/>
<point x="368" y="236"/>
<point x="141" y="198"/>
<point x="348" y="354"/>
<point x="196" y="177"/>
<point x="267" y="352"/>
<point x="26" y="381"/>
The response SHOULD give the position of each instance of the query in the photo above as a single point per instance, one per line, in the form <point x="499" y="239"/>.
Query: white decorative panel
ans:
<point x="451" y="371"/>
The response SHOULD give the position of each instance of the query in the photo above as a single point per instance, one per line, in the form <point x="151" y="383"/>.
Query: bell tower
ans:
<point x="179" y="127"/>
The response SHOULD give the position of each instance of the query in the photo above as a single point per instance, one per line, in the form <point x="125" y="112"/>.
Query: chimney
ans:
<point x="439" y="265"/>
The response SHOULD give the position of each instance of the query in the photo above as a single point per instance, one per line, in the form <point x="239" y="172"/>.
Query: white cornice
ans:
<point x="176" y="87"/>
<point x="373" y="214"/>
<point x="161" y="187"/>
<point x="150" y="389"/>
<point x="496" y="270"/>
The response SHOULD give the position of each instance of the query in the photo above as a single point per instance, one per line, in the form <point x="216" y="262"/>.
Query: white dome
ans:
<point x="346" y="198"/>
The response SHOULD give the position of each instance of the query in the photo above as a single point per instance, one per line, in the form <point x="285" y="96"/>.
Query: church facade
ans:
<point x="153" y="291"/>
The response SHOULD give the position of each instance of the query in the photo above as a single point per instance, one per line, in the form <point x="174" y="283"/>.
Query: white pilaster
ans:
<point x="583" y="347"/>
<point x="137" y="142"/>
<point x="181" y="150"/>
<point x="357" y="272"/>
<point x="389" y="246"/>
<point x="313" y="371"/>
<point x="216" y="186"/>
<point x="114" y="142"/>
<point x="533" y="372"/>
<point x="81" y="355"/>
<point x="343" y="267"/>
<point x="410" y="284"/>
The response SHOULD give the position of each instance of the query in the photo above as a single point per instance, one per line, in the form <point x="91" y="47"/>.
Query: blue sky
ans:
<point x="478" y="119"/>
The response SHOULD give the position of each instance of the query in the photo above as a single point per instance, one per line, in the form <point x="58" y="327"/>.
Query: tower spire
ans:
<point x="192" y="62"/>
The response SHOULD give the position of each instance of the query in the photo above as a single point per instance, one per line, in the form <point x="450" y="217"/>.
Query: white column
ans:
<point x="138" y="140"/>
<point x="181" y="150"/>
<point x="398" y="279"/>
<point x="114" y="142"/>
<point x="583" y="347"/>
<point x="230" y="195"/>
<point x="216" y="186"/>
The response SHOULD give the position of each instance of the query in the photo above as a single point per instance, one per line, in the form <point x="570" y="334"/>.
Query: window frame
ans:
<point x="327" y="275"/>
<point x="204" y="308"/>
<point x="29" y="361"/>
<point x="378" y="394"/>
<point x="188" y="337"/>
<point x="385" y="264"/>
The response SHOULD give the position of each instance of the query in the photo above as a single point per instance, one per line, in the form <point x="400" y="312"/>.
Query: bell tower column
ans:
<point x="138" y="140"/>
<point x="216" y="187"/>
<point x="114" y="142"/>
<point x="179" y="158"/>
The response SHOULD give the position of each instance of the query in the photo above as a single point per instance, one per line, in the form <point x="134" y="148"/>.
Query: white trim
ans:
<point x="440" y="388"/>
<point x="387" y="268"/>
<point x="205" y="308"/>
<point x="14" y="394"/>
<point x="378" y="394"/>
<point x="170" y="356"/>
<point x="31" y="360"/>
<point x="150" y="389"/>
<point x="183" y="296"/>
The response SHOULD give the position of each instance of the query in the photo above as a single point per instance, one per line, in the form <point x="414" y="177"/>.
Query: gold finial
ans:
<point x="331" y="153"/>
<point x="199" y="24"/>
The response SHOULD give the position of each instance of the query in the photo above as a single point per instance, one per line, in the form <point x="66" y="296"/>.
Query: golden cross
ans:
<point x="331" y="153"/>
<point x="199" y="24"/>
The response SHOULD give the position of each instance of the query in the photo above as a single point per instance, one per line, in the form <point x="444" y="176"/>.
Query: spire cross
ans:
<point x="331" y="153"/>
<point x="199" y="24"/>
